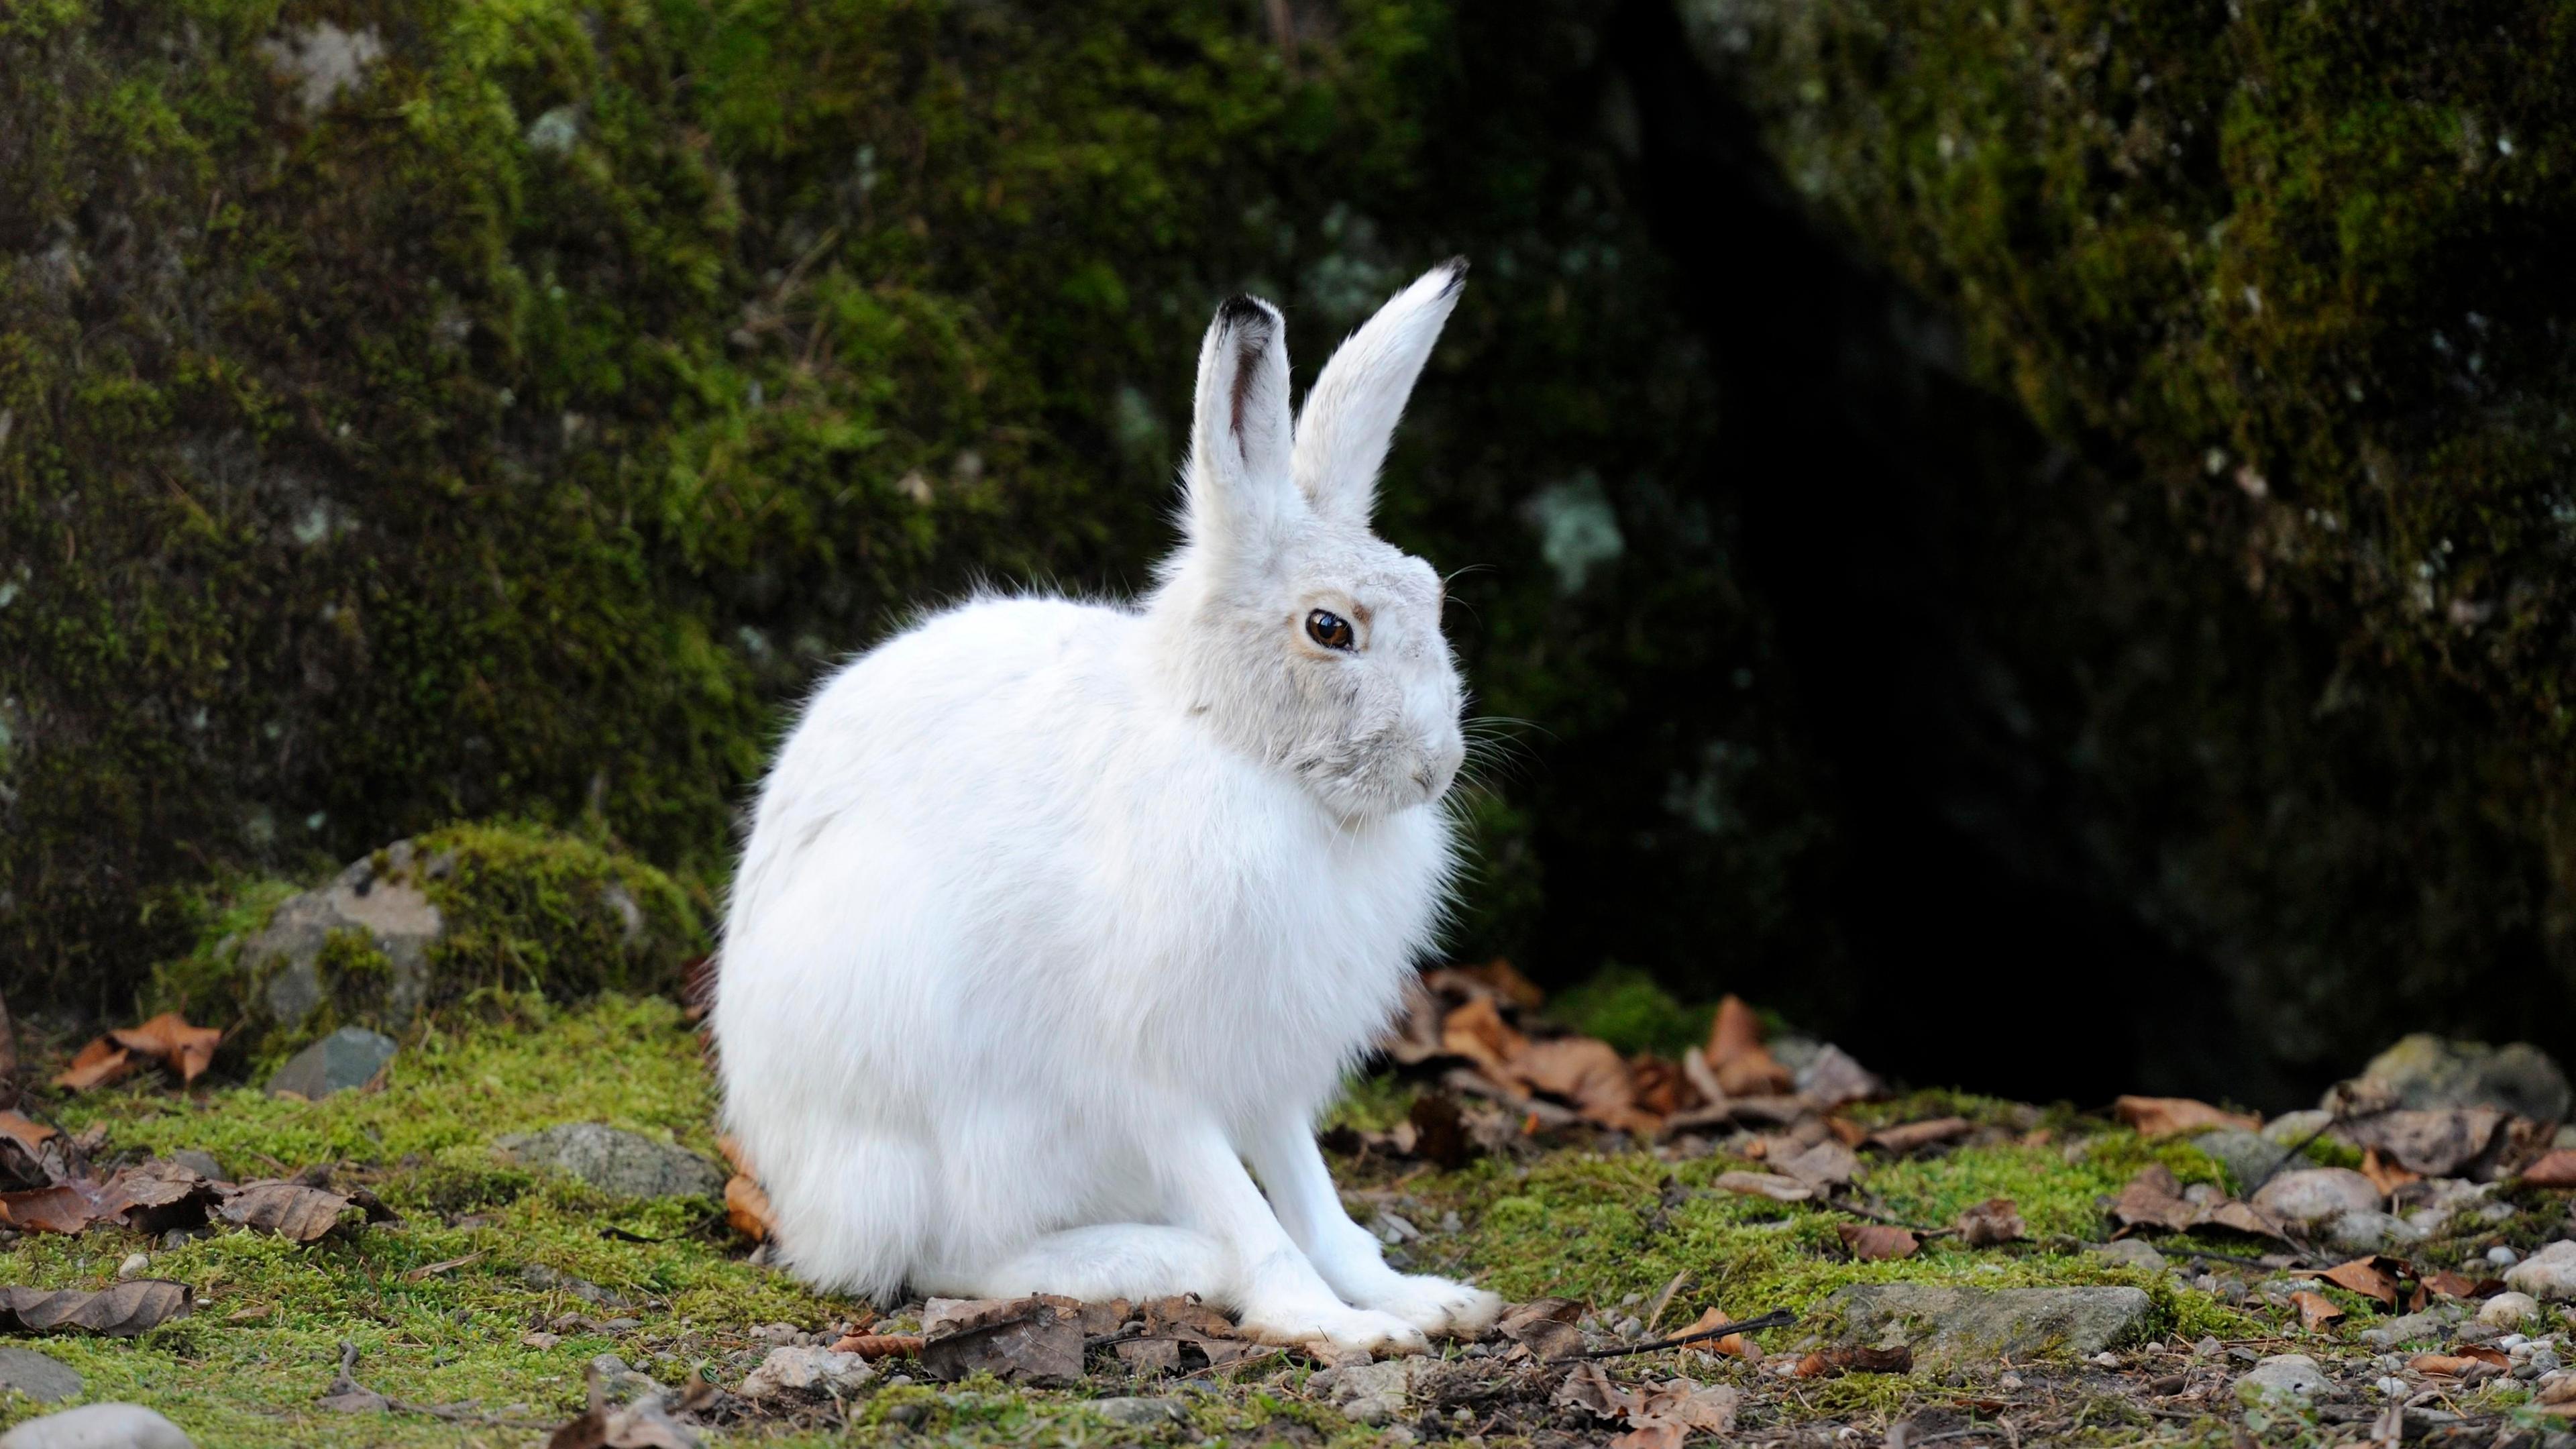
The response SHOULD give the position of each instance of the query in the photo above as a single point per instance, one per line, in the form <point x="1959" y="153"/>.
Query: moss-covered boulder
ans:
<point x="482" y="911"/>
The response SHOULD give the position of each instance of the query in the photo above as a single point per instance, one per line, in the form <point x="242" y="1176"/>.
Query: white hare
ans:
<point x="1055" y="915"/>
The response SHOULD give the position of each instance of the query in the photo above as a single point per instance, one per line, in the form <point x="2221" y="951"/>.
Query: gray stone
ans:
<point x="2363" y="1233"/>
<point x="791" y="1371"/>
<point x="1138" y="1413"/>
<point x="2283" y="1380"/>
<point x="2508" y="1310"/>
<point x="2424" y="1071"/>
<point x="2292" y="1128"/>
<point x="1370" y="1393"/>
<point x="2548" y="1275"/>
<point x="1986" y="1323"/>
<point x="98" y="1426"/>
<point x="619" y="1163"/>
<point x="2430" y="1326"/>
<point x="2314" y="1194"/>
<point x="2133" y="1253"/>
<point x="2247" y="1156"/>
<point x="45" y="1380"/>
<point x="386" y="906"/>
<point x="201" y="1163"/>
<point x="346" y="1059"/>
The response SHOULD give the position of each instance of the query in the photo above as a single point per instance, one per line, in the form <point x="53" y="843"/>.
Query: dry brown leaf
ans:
<point x="119" y="1312"/>
<point x="1744" y="1067"/>
<point x="1872" y="1242"/>
<point x="170" y="1039"/>
<point x="2316" y="1310"/>
<point x="1588" y="1072"/>
<point x="1035" y="1341"/>
<point x="1669" y="1413"/>
<point x="2463" y="1359"/>
<point x="99" y="1063"/>
<point x="1701" y="1076"/>
<point x="734" y="1156"/>
<point x="1478" y="1032"/>
<point x="1846" y="1131"/>
<point x="1544" y="1326"/>
<point x="1660" y="1086"/>
<point x="1732" y="1344"/>
<point x="2173" y="1116"/>
<point x="747" y="1207"/>
<point x="1502" y="979"/>
<point x="1855" y="1360"/>
<point x="1440" y="1134"/>
<point x="1765" y="1184"/>
<point x="291" y="1210"/>
<point x="1996" y="1220"/>
<point x="2459" y="1285"/>
<point x="30" y="1136"/>
<point x="2557" y="1169"/>
<point x="1914" y="1135"/>
<point x="1824" y="1166"/>
<point x="62" y="1208"/>
<point x="2373" y="1277"/>
<point x="2384" y="1174"/>
<point x="2560" y="1389"/>
<point x="156" y="1196"/>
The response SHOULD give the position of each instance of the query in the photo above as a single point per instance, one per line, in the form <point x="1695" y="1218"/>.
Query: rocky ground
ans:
<point x="510" y="1232"/>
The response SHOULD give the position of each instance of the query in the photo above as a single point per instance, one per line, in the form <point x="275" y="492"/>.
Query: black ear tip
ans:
<point x="1457" y="267"/>
<point x="1244" y="310"/>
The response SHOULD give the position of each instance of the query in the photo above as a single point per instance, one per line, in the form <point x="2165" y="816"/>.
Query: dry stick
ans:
<point x="1664" y="1300"/>
<point x="1777" y="1318"/>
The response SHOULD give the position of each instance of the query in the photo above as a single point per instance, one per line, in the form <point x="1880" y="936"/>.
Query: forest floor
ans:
<point x="478" y="1307"/>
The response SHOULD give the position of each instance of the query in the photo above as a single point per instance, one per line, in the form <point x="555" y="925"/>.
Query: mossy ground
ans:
<point x="439" y="1305"/>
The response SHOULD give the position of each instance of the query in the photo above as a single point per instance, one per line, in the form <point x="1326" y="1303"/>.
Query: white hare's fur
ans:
<point x="1055" y="916"/>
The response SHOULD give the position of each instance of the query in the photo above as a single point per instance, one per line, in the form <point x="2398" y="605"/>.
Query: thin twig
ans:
<point x="1777" y="1318"/>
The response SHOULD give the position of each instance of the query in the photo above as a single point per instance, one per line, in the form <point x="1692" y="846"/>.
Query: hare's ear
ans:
<point x="1349" y="418"/>
<point x="1239" y="494"/>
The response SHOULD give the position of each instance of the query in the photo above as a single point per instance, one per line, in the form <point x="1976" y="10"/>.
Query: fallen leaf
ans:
<point x="123" y="1311"/>
<point x="1996" y="1220"/>
<point x="2460" y="1285"/>
<point x="1913" y="1135"/>
<point x="1765" y="1184"/>
<point x="99" y="1063"/>
<point x="2557" y="1169"/>
<point x="2373" y="1277"/>
<point x="2173" y="1116"/>
<point x="1030" y="1341"/>
<point x="28" y="1135"/>
<point x="1544" y="1326"/>
<point x="734" y="1156"/>
<point x="878" y="1345"/>
<point x="644" y="1424"/>
<point x="1744" y="1067"/>
<point x="1732" y="1344"/>
<point x="1846" y="1131"/>
<point x="1501" y="978"/>
<point x="1827" y="1164"/>
<point x="1834" y="1078"/>
<point x="2560" y="1389"/>
<point x="2316" y="1310"/>
<point x="156" y="1196"/>
<point x="289" y="1209"/>
<point x="2461" y="1360"/>
<point x="1660" y="1087"/>
<point x="1478" y="1032"/>
<point x="747" y="1207"/>
<point x="1855" y="1360"/>
<point x="62" y="1208"/>
<point x="427" y="1271"/>
<point x="2384" y="1174"/>
<point x="171" y="1040"/>
<point x="1874" y="1242"/>
<point x="1591" y="1074"/>
<point x="1702" y="1077"/>
<point x="2154" y="1198"/>
<point x="1588" y="1388"/>
<point x="1666" y="1415"/>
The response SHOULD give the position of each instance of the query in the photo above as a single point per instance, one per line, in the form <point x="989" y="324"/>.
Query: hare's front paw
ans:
<point x="1435" y="1305"/>
<point x="1334" y="1329"/>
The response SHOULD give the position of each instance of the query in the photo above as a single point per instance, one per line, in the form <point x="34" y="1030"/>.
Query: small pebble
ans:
<point x="2209" y="1348"/>
<point x="134" y="1265"/>
<point x="2508" y="1309"/>
<point x="2502" y="1256"/>
<point x="898" y="1381"/>
<point x="2009" y="1382"/>
<point x="2107" y="1359"/>
<point x="2393" y="1386"/>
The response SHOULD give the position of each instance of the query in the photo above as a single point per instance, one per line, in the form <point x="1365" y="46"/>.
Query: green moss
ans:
<point x="533" y="910"/>
<point x="1628" y="1009"/>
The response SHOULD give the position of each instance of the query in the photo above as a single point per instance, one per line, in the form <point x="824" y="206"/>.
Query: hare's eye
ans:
<point x="1329" y="629"/>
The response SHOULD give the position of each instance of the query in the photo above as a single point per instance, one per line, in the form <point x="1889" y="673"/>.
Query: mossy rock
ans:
<point x="472" y="911"/>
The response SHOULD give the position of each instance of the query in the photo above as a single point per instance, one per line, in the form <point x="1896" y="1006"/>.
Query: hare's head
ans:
<point x="1297" y="633"/>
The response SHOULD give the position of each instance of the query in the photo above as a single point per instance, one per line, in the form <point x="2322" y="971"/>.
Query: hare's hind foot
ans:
<point x="1110" y="1260"/>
